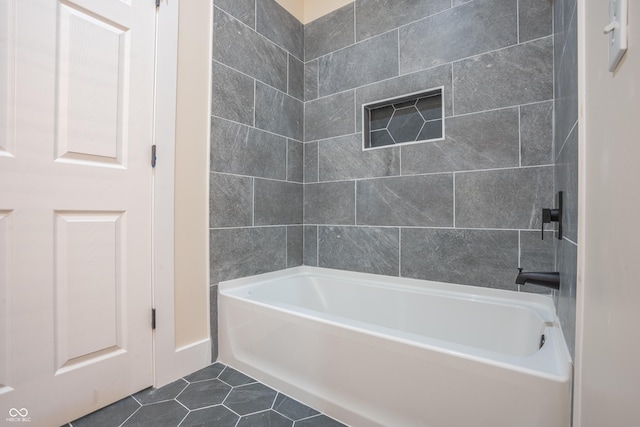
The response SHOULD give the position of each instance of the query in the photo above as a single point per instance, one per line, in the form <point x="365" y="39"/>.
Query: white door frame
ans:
<point x="172" y="361"/>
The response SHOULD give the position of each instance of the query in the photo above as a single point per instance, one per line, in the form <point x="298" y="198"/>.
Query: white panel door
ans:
<point x="76" y="120"/>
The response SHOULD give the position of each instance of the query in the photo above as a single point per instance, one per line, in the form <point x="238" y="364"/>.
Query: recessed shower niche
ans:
<point x="407" y="119"/>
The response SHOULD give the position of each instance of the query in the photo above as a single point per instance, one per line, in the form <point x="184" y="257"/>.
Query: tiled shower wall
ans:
<point x="566" y="157"/>
<point x="256" y="139"/>
<point x="463" y="210"/>
<point x="256" y="142"/>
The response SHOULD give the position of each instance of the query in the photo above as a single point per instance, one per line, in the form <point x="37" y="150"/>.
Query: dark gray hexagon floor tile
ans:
<point x="250" y="398"/>
<point x="208" y="373"/>
<point x="204" y="393"/>
<point x="113" y="415"/>
<point x="405" y="124"/>
<point x="319" y="421"/>
<point x="215" y="416"/>
<point x="164" y="414"/>
<point x="292" y="409"/>
<point x="235" y="378"/>
<point x="155" y="395"/>
<point x="265" y="419"/>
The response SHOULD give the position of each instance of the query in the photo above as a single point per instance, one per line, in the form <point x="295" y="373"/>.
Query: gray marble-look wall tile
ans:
<point x="342" y="158"/>
<point x="213" y="321"/>
<point x="366" y="62"/>
<point x="230" y="200"/>
<point x="329" y="33"/>
<point x="536" y="132"/>
<point x="566" y="180"/>
<point x="244" y="150"/>
<point x="243" y="10"/>
<point x="241" y="252"/>
<point x="485" y="258"/>
<point x="278" y="112"/>
<point x="475" y="141"/>
<point x="566" y="96"/>
<point x="277" y="202"/>
<point x="296" y="78"/>
<point x="455" y="3"/>
<point x="329" y="116"/>
<point x="231" y="94"/>
<point x="568" y="268"/>
<point x="421" y="201"/>
<point x="310" y="162"/>
<point x="536" y="19"/>
<point x="311" y="80"/>
<point x="294" y="246"/>
<point x="310" y="252"/>
<point x="406" y="84"/>
<point x="477" y="27"/>
<point x="378" y="16"/>
<point x="365" y="249"/>
<point x="295" y="155"/>
<point x="508" y="198"/>
<point x="516" y="75"/>
<point x="537" y="254"/>
<point x="275" y="23"/>
<point x="330" y="203"/>
<point x="243" y="49"/>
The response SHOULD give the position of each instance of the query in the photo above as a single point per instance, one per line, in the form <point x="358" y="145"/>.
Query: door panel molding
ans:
<point x="7" y="77"/>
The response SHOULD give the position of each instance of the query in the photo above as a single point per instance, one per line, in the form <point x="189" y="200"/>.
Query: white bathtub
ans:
<point x="373" y="350"/>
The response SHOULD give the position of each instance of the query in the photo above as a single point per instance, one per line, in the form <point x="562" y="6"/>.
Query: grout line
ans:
<point x="355" y="202"/>
<point x="399" y="251"/>
<point x="248" y="227"/>
<point x="518" y="21"/>
<point x="398" y="30"/>
<point x="253" y="127"/>
<point x="519" y="248"/>
<point x="520" y="136"/>
<point x="454" y="200"/>
<point x="408" y="227"/>
<point x="255" y="78"/>
<point x="317" y="246"/>
<point x="286" y="161"/>
<point x="255" y="89"/>
<point x="431" y="173"/>
<point x="256" y="177"/>
<point x="286" y="246"/>
<point x="253" y="202"/>
<point x="355" y="26"/>
<point x="453" y="93"/>
<point x="288" y="76"/>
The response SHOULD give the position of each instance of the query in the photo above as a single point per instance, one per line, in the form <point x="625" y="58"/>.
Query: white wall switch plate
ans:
<point x="617" y="31"/>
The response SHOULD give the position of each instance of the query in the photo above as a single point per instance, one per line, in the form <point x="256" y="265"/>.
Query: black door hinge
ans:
<point x="153" y="156"/>
<point x="153" y="318"/>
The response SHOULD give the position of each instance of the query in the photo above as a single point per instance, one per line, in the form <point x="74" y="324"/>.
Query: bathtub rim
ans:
<point x="548" y="357"/>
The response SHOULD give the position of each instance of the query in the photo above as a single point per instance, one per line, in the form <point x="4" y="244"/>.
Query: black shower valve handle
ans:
<point x="553" y="215"/>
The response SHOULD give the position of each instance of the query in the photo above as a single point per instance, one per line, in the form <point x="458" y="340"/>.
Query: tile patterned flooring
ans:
<point x="217" y="396"/>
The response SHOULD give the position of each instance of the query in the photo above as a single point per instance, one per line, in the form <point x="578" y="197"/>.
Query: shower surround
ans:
<point x="290" y="184"/>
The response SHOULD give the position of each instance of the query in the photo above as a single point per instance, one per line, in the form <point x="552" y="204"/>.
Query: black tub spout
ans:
<point x="548" y="279"/>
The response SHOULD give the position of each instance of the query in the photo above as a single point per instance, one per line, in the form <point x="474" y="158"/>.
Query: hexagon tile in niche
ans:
<point x="407" y="119"/>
